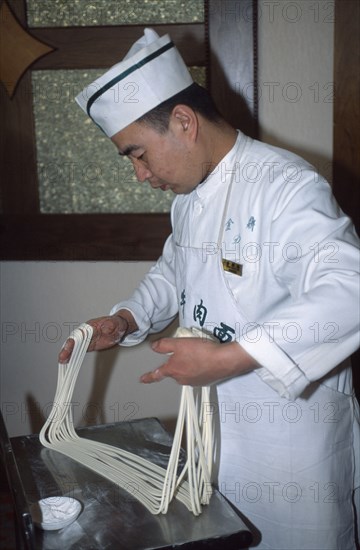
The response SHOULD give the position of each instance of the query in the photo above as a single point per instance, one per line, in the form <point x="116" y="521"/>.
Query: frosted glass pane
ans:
<point x="65" y="13"/>
<point x="79" y="170"/>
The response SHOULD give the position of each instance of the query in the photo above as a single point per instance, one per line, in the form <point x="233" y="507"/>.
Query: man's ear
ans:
<point x="184" y="121"/>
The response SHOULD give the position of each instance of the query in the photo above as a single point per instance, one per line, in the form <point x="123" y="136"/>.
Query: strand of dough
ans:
<point x="151" y="484"/>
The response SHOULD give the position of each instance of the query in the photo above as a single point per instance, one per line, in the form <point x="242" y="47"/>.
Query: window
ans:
<point x="65" y="194"/>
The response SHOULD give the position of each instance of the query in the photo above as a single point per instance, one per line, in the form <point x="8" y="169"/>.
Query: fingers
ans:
<point x="154" y="376"/>
<point x="108" y="331"/>
<point x="66" y="351"/>
<point x="164" y="345"/>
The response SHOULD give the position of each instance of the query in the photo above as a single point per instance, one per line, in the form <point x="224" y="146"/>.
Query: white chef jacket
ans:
<point x="299" y="287"/>
<point x="300" y="258"/>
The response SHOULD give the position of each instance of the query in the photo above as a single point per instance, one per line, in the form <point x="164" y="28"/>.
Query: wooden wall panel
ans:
<point x="346" y="167"/>
<point x="93" y="47"/>
<point x="233" y="62"/>
<point x="346" y="173"/>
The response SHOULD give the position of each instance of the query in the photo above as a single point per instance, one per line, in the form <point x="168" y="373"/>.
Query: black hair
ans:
<point x="196" y="97"/>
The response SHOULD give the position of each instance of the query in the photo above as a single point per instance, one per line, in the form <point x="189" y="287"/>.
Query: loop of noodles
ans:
<point x="152" y="485"/>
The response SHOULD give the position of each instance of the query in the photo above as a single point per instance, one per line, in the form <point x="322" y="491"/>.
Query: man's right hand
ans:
<point x="107" y="332"/>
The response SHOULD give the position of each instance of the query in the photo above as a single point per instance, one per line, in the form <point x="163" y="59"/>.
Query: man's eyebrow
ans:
<point x="128" y="150"/>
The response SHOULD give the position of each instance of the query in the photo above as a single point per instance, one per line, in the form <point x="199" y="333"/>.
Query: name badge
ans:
<point x="232" y="267"/>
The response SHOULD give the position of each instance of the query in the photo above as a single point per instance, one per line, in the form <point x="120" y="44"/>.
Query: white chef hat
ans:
<point x="151" y="72"/>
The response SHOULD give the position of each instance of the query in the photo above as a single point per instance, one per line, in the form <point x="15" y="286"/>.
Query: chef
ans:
<point x="262" y="258"/>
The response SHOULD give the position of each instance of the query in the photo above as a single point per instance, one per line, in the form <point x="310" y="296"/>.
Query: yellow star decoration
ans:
<point x="18" y="49"/>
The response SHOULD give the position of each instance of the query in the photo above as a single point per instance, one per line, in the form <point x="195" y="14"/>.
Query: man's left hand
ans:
<point x="198" y="361"/>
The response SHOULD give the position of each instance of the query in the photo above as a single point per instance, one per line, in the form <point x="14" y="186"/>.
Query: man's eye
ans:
<point x="141" y="157"/>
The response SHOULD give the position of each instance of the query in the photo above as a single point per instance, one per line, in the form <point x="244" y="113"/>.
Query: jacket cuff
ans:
<point x="277" y="369"/>
<point x="142" y="322"/>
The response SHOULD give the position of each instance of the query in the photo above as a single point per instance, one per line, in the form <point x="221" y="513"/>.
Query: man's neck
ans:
<point x="218" y="140"/>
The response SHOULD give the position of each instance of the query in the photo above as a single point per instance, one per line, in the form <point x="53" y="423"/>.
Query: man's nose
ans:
<point x="142" y="172"/>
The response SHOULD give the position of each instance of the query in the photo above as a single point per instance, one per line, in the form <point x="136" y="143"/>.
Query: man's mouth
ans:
<point x="163" y="187"/>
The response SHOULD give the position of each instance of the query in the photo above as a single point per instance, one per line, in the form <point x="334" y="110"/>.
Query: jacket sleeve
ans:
<point x="154" y="303"/>
<point x="317" y="326"/>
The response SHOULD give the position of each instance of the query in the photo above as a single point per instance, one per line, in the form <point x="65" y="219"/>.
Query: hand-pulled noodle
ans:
<point x="152" y="485"/>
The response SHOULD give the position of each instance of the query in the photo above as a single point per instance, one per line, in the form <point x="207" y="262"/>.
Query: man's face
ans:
<point x="165" y="160"/>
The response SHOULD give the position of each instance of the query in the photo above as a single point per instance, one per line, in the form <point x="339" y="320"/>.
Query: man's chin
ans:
<point x="177" y="189"/>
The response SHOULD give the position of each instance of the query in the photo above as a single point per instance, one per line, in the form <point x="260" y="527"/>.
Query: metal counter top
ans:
<point x="112" y="518"/>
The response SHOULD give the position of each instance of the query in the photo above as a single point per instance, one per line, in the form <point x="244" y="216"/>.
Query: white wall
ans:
<point x="42" y="301"/>
<point x="296" y="78"/>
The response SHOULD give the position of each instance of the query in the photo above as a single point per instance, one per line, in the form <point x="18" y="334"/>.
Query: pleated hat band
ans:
<point x="151" y="72"/>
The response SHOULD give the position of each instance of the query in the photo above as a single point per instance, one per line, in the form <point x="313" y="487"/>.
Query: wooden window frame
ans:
<point x="346" y="139"/>
<point x="26" y="233"/>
